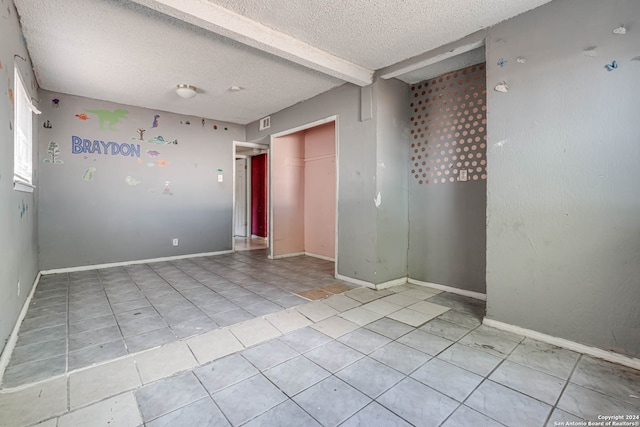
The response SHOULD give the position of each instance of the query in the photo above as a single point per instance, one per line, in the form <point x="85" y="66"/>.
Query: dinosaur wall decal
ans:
<point x="112" y="117"/>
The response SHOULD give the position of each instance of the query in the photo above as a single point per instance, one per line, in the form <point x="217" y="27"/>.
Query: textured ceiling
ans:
<point x="118" y="50"/>
<point x="377" y="34"/>
<point x="458" y="62"/>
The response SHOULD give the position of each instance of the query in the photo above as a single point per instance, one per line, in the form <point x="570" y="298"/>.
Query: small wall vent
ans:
<point x="265" y="123"/>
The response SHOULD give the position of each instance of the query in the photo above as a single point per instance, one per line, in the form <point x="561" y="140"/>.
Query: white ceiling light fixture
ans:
<point x="186" y="91"/>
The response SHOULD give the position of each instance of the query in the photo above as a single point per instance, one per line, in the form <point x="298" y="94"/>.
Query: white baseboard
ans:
<point x="392" y="283"/>
<point x="125" y="263"/>
<point x="13" y="338"/>
<point x="326" y="258"/>
<point x="451" y="289"/>
<point x="355" y="281"/>
<point x="564" y="343"/>
<point x="287" y="255"/>
<point x="385" y="285"/>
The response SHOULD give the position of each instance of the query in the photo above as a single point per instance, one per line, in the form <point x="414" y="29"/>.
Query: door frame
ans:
<point x="248" y="177"/>
<point x="247" y="191"/>
<point x="317" y="123"/>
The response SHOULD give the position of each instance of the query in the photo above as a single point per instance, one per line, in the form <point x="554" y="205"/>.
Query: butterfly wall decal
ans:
<point x="612" y="66"/>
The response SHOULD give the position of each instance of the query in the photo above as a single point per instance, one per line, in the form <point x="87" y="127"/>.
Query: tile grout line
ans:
<point x="186" y="339"/>
<point x="486" y="378"/>
<point x="332" y="374"/>
<point x="126" y="346"/>
<point x="261" y="372"/>
<point x="68" y="339"/>
<point x="566" y="384"/>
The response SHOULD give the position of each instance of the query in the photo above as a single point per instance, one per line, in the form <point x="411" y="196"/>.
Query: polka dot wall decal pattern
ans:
<point x="448" y="127"/>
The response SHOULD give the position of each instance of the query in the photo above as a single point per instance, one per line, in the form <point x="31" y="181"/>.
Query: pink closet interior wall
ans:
<point x="287" y="193"/>
<point x="320" y="190"/>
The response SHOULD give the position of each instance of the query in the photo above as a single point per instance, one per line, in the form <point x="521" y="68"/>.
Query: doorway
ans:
<point x="250" y="216"/>
<point x="304" y="191"/>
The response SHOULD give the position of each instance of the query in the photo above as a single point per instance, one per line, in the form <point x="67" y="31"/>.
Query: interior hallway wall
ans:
<point x="287" y="194"/>
<point x="357" y="169"/>
<point x="18" y="210"/>
<point x="372" y="236"/>
<point x="320" y="190"/>
<point x="447" y="215"/>
<point x="392" y="174"/>
<point x="563" y="216"/>
<point x="127" y="181"/>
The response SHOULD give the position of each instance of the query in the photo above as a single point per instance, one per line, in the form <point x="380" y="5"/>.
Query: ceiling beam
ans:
<point x="214" y="18"/>
<point x="464" y="45"/>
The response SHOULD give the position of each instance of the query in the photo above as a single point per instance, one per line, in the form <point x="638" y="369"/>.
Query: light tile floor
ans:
<point x="78" y="319"/>
<point x="246" y="244"/>
<point x="312" y="366"/>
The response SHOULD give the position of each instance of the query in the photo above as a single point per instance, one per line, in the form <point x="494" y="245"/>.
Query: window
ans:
<point x="22" y="137"/>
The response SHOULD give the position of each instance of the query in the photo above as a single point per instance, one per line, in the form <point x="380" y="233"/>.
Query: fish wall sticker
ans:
<point x="161" y="141"/>
<point x="162" y="163"/>
<point x="82" y="116"/>
<point x="111" y="117"/>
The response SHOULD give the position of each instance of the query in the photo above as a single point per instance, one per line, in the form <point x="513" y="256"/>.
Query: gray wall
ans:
<point x="392" y="178"/>
<point x="447" y="219"/>
<point x="107" y="219"/>
<point x="18" y="210"/>
<point x="563" y="216"/>
<point x="358" y="217"/>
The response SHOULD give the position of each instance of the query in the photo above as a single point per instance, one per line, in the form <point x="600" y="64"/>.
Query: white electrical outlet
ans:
<point x="175" y="242"/>
<point x="219" y="177"/>
<point x="463" y="175"/>
<point x="18" y="287"/>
